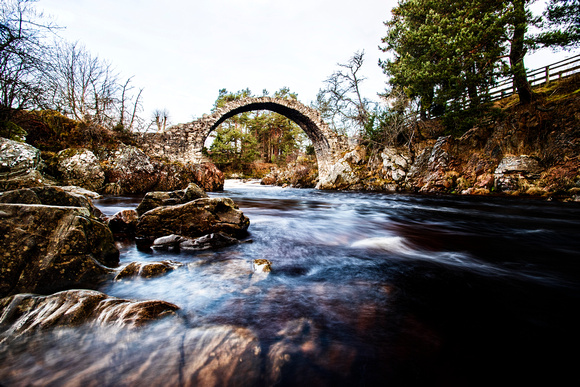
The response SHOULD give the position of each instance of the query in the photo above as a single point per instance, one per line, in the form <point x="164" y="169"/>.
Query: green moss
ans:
<point x="12" y="131"/>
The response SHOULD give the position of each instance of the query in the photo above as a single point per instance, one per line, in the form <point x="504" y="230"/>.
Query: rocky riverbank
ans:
<point x="57" y="247"/>
<point x="531" y="151"/>
<point x="118" y="169"/>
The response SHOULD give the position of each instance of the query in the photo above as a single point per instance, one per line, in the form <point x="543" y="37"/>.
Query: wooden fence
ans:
<point x="539" y="76"/>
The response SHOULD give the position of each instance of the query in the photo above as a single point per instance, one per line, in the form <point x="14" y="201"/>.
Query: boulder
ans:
<point x="395" y="164"/>
<point x="169" y="242"/>
<point x="341" y="176"/>
<point x="194" y="219"/>
<point x="128" y="170"/>
<point x="156" y="199"/>
<point x="147" y="270"/>
<point x="215" y="240"/>
<point x="18" y="158"/>
<point x="123" y="222"/>
<point x="20" y="166"/>
<point x="174" y="176"/>
<point x="51" y="196"/>
<point x="514" y="173"/>
<point x="80" y="167"/>
<point x="26" y="313"/>
<point x="47" y="248"/>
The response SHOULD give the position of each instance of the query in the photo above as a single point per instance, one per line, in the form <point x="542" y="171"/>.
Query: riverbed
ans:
<point x="365" y="289"/>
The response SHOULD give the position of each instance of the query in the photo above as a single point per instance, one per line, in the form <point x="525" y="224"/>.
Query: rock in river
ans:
<point x="162" y="354"/>
<point x="156" y="199"/>
<point x="194" y="219"/>
<point x="147" y="270"/>
<point x="123" y="222"/>
<point x="44" y="249"/>
<point x="207" y="242"/>
<point x="23" y="313"/>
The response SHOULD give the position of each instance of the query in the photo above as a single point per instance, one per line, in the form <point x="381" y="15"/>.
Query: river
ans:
<point x="366" y="289"/>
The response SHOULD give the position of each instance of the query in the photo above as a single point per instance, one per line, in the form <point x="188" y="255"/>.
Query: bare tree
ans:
<point x="341" y="102"/>
<point x="160" y="117"/>
<point x="83" y="86"/>
<point x="22" y="30"/>
<point x="129" y="106"/>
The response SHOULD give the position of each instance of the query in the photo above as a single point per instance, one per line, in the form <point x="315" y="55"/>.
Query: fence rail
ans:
<point x="540" y="76"/>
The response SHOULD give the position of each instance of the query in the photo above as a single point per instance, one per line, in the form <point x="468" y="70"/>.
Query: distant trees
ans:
<point x="160" y="118"/>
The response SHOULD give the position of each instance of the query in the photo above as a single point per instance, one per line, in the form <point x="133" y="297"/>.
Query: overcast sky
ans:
<point x="183" y="51"/>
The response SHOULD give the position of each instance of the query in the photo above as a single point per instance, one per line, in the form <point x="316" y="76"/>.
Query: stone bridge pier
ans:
<point x="184" y="142"/>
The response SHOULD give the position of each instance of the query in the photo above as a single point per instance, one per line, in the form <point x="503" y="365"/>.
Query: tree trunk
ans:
<point x="517" y="52"/>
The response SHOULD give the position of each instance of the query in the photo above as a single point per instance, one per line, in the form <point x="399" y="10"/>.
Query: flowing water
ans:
<point x="370" y="289"/>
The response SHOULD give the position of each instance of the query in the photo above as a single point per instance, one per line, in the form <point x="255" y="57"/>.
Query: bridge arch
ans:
<point x="184" y="142"/>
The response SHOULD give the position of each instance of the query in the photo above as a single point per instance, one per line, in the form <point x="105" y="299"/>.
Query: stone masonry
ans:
<point x="184" y="142"/>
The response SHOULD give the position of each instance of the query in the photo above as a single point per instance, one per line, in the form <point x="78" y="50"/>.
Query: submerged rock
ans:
<point x="194" y="219"/>
<point x="147" y="270"/>
<point x="25" y="313"/>
<point x="303" y="357"/>
<point x="47" y="248"/>
<point x="161" y="354"/>
<point x="261" y="266"/>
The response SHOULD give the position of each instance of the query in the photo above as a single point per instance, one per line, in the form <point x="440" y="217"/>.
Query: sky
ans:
<point x="182" y="52"/>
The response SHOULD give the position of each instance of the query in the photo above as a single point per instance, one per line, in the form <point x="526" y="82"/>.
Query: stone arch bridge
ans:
<point x="184" y="142"/>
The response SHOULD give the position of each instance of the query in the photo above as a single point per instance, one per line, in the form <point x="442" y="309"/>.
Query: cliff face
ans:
<point x="531" y="150"/>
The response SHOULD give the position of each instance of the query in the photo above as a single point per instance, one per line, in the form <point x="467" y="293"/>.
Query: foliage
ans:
<point x="448" y="54"/>
<point x="561" y="25"/>
<point x="445" y="53"/>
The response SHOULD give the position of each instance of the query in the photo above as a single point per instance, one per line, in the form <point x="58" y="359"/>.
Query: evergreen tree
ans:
<point x="444" y="51"/>
<point x="562" y="25"/>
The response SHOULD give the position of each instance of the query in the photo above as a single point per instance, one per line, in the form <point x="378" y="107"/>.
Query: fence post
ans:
<point x="547" y="74"/>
